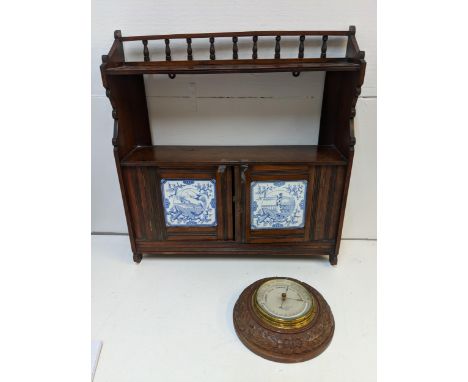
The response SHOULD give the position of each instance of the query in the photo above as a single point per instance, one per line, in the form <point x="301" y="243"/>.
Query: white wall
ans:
<point x="237" y="109"/>
<point x="234" y="109"/>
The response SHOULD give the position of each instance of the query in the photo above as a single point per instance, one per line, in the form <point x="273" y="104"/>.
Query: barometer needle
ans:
<point x="283" y="295"/>
<point x="283" y="299"/>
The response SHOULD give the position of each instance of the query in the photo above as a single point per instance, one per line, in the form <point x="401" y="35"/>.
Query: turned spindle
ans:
<point x="301" y="46"/>
<point x="189" y="49"/>
<point x="277" y="47"/>
<point x="324" y="47"/>
<point x="254" y="48"/>
<point x="168" y="50"/>
<point x="235" y="48"/>
<point x="145" y="50"/>
<point x="212" y="49"/>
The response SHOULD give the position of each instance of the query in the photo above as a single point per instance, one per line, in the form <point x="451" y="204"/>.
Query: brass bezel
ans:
<point x="280" y="322"/>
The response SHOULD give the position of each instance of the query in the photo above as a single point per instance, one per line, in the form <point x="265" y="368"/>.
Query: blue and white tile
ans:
<point x="189" y="202"/>
<point x="278" y="204"/>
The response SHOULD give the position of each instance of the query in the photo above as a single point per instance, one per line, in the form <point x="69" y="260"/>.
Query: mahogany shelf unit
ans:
<point x="234" y="200"/>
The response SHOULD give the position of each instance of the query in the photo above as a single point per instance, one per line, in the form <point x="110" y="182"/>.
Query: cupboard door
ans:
<point x="179" y="203"/>
<point x="196" y="204"/>
<point x="278" y="203"/>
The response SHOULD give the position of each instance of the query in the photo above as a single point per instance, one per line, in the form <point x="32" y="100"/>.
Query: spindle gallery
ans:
<point x="229" y="200"/>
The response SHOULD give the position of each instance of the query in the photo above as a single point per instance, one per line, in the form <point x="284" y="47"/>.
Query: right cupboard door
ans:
<point x="298" y="203"/>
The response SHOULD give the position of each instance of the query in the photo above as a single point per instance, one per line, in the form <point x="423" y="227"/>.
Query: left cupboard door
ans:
<point x="180" y="203"/>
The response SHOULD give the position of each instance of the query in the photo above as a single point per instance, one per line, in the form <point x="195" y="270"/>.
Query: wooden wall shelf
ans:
<point x="234" y="200"/>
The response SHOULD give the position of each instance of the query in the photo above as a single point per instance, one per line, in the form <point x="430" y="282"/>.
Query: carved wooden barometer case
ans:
<point x="283" y="320"/>
<point x="224" y="200"/>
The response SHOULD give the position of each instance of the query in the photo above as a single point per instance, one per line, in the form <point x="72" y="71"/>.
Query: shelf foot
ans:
<point x="137" y="257"/>
<point x="333" y="259"/>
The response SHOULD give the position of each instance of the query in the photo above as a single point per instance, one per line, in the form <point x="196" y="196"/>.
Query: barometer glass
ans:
<point x="284" y="300"/>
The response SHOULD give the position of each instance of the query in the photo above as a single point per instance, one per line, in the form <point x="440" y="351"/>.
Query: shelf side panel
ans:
<point x="128" y="94"/>
<point x="337" y="106"/>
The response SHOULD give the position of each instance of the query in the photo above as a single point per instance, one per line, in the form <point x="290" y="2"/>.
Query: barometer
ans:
<point x="283" y="320"/>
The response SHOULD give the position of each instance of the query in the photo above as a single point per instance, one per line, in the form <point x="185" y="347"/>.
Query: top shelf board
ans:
<point x="114" y="63"/>
<point x="234" y="66"/>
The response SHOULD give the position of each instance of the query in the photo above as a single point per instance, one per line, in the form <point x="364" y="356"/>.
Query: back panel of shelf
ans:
<point x="235" y="109"/>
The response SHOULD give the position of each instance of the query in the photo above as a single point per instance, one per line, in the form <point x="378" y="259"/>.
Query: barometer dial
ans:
<point x="284" y="302"/>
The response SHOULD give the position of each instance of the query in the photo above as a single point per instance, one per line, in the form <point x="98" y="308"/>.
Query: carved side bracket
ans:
<point x="115" y="57"/>
<point x="352" y="138"/>
<point x="353" y="52"/>
<point x="115" y="137"/>
<point x="357" y="93"/>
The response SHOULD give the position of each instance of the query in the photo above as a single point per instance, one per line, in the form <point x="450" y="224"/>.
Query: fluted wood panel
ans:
<point x="326" y="201"/>
<point x="143" y="189"/>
